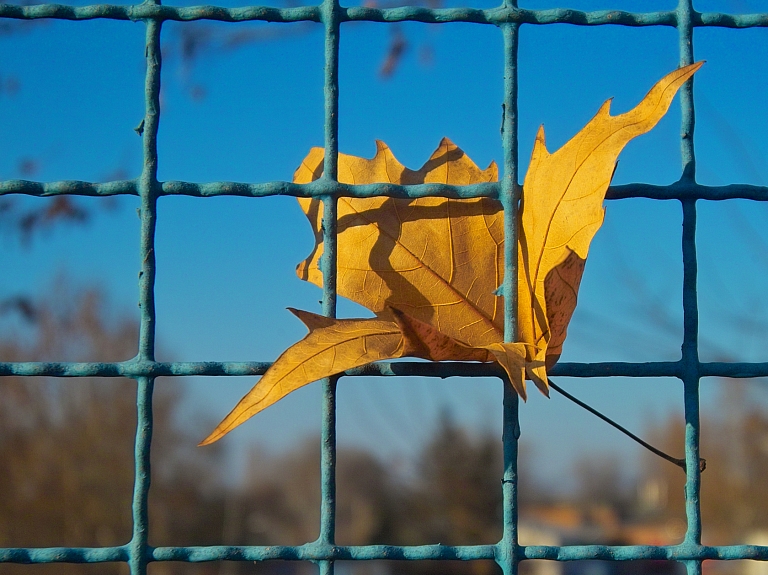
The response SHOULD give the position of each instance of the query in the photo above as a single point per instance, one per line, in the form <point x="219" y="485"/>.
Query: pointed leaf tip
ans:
<point x="311" y="320"/>
<point x="212" y="438"/>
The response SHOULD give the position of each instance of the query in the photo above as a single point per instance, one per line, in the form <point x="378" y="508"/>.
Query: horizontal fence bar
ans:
<point x="315" y="552"/>
<point x="733" y="370"/>
<point x="623" y="369"/>
<point x="316" y="189"/>
<point x="493" y="16"/>
<point x="160" y="12"/>
<point x="319" y="188"/>
<point x="69" y="188"/>
<point x="64" y="555"/>
<point x="685" y="191"/>
<point x="133" y="369"/>
<point x="319" y="552"/>
<point x="681" y="552"/>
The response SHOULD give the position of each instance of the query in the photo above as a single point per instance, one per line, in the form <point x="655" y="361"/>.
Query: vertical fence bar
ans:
<point x="330" y="19"/>
<point x="139" y="541"/>
<point x="330" y="163"/>
<point x="148" y="191"/>
<point x="685" y="14"/>
<point x="507" y="554"/>
<point x="690" y="352"/>
<point x="691" y="374"/>
<point x="510" y="189"/>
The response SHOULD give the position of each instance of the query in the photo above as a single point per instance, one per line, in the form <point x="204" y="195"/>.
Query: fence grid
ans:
<point x="144" y="369"/>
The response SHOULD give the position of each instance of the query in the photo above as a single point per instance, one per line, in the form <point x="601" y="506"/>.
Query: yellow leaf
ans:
<point x="561" y="288"/>
<point x="422" y="340"/>
<point x="336" y="345"/>
<point x="562" y="208"/>
<point x="511" y="357"/>
<point x="429" y="268"/>
<point x="437" y="260"/>
<point x="331" y="347"/>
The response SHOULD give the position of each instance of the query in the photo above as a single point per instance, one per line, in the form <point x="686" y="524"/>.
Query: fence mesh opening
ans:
<point x="508" y="553"/>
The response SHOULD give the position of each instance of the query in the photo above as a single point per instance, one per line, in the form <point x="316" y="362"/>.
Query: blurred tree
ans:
<point x="457" y="500"/>
<point x="734" y="493"/>
<point x="67" y="444"/>
<point x="19" y="216"/>
<point x="454" y="497"/>
<point x="279" y="503"/>
<point x="600" y="483"/>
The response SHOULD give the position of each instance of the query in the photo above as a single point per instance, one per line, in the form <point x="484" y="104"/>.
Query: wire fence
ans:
<point x="144" y="369"/>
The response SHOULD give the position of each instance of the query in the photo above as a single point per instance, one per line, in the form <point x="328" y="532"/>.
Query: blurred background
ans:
<point x="419" y="459"/>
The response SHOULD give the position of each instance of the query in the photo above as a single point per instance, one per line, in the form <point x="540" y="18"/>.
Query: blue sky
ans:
<point x="248" y="108"/>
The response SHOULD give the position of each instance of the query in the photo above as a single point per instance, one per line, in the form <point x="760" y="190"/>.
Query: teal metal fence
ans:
<point x="144" y="369"/>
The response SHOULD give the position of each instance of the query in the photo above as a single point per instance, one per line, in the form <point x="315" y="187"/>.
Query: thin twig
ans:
<point x="679" y="462"/>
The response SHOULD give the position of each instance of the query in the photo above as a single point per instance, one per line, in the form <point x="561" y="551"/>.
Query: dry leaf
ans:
<point x="562" y="209"/>
<point x="428" y="257"/>
<point x="429" y="268"/>
<point x="332" y="346"/>
<point x="336" y="345"/>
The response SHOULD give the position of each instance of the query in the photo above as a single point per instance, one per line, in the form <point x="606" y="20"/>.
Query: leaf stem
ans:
<point x="679" y="462"/>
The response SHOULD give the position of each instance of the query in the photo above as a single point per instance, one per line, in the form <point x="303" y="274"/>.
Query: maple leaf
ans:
<point x="430" y="268"/>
